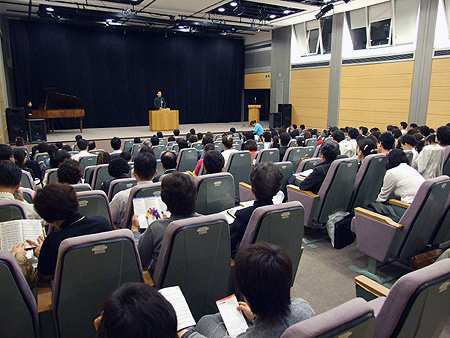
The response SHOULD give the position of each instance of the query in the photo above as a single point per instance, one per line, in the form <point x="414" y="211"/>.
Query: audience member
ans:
<point x="116" y="143"/>
<point x="82" y="145"/>
<point x="104" y="158"/>
<point x="160" y="134"/>
<point x="19" y="141"/>
<point x="348" y="146"/>
<point x="199" y="136"/>
<point x="69" y="171"/>
<point x="118" y="168"/>
<point x="443" y="136"/>
<point x="206" y="147"/>
<point x="154" y="140"/>
<point x="126" y="155"/>
<point x="213" y="162"/>
<point x="6" y="153"/>
<point x="176" y="132"/>
<point x="409" y="142"/>
<point x="137" y="140"/>
<point x="430" y="161"/>
<point x="91" y="145"/>
<point x="169" y="164"/>
<point x="275" y="142"/>
<point x="386" y="143"/>
<point x="402" y="127"/>
<point x="284" y="139"/>
<point x="55" y="160"/>
<point x="66" y="147"/>
<point x="267" y="139"/>
<point x="251" y="146"/>
<point x="363" y="131"/>
<point x="182" y="144"/>
<point x="227" y="141"/>
<point x="20" y="158"/>
<point x="366" y="147"/>
<point x="59" y="145"/>
<point x="192" y="139"/>
<point x="257" y="128"/>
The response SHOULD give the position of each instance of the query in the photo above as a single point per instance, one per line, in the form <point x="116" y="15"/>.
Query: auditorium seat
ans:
<point x="409" y="155"/>
<point x="81" y="187"/>
<point x="73" y="152"/>
<point x="195" y="255"/>
<point x="88" y="269"/>
<point x="158" y="150"/>
<point x="100" y="175"/>
<point x="259" y="146"/>
<point x="18" y="310"/>
<point x="174" y="147"/>
<point x="119" y="185"/>
<point x="442" y="232"/>
<point x="317" y="151"/>
<point x="88" y="174"/>
<point x="239" y="165"/>
<point x="28" y="194"/>
<point x="334" y="193"/>
<point x="354" y="318"/>
<point x="237" y="146"/>
<point x="27" y="181"/>
<point x="94" y="203"/>
<point x="11" y="209"/>
<point x="267" y="155"/>
<point x="87" y="161"/>
<point x="163" y="141"/>
<point x="446" y="167"/>
<point x="308" y="163"/>
<point x="417" y="305"/>
<point x="197" y="145"/>
<point x="382" y="239"/>
<point x="96" y="151"/>
<point x="218" y="138"/>
<point x="215" y="193"/>
<point x="135" y="149"/>
<point x="218" y="145"/>
<point x="41" y="157"/>
<point x="187" y="160"/>
<point x="287" y="171"/>
<point x="280" y="224"/>
<point x="296" y="154"/>
<point x="292" y="143"/>
<point x="127" y="145"/>
<point x="311" y="142"/>
<point x="52" y="175"/>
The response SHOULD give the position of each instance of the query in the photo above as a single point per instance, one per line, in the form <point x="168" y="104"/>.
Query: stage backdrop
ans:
<point x="118" y="73"/>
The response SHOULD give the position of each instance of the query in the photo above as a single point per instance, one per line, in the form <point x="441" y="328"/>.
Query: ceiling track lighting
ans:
<point x="324" y="10"/>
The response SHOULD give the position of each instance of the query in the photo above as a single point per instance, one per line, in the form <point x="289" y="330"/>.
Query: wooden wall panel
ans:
<point x="309" y="97"/>
<point x="438" y="112"/>
<point x="257" y="81"/>
<point x="375" y="95"/>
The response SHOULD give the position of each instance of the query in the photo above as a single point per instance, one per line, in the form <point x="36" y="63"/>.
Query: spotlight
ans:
<point x="324" y="10"/>
<point x="221" y="9"/>
<point x="272" y="16"/>
<point x="50" y="9"/>
<point x="286" y="11"/>
<point x="233" y="3"/>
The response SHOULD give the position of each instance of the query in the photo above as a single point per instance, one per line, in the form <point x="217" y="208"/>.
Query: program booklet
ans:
<point x="175" y="297"/>
<point x="149" y="209"/>
<point x="233" y="318"/>
<point x="13" y="233"/>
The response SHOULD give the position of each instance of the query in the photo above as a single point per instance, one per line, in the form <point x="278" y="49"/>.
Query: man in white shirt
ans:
<point x="82" y="145"/>
<point x="402" y="127"/>
<point x="348" y="146"/>
<point x="116" y="143"/>
<point x="144" y="171"/>
<point x="430" y="161"/>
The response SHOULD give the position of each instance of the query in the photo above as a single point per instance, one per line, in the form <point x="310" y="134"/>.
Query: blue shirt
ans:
<point x="258" y="129"/>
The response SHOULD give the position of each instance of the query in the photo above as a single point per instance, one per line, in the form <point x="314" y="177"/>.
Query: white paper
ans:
<point x="149" y="209"/>
<point x="13" y="233"/>
<point x="31" y="229"/>
<point x="175" y="297"/>
<point x="305" y="173"/>
<point x="234" y="320"/>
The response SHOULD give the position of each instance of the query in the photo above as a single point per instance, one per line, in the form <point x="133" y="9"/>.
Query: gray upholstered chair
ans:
<point x="135" y="149"/>
<point x="446" y="166"/>
<point x="195" y="254"/>
<point x="96" y="151"/>
<point x="81" y="187"/>
<point x="442" y="232"/>
<point x="292" y="143"/>
<point x="94" y="203"/>
<point x="317" y="151"/>
<point x="308" y="163"/>
<point x="28" y="194"/>
<point x="239" y="165"/>
<point x="52" y="175"/>
<point x="215" y="193"/>
<point x="158" y="150"/>
<point x="127" y="145"/>
<point x="163" y="141"/>
<point x="287" y="170"/>
<point x="197" y="145"/>
<point x="27" y="181"/>
<point x="354" y="318"/>
<point x="88" y="174"/>
<point x="334" y="193"/>
<point x="174" y="147"/>
<point x="86" y="161"/>
<point x="159" y="167"/>
<point x="311" y="142"/>
<point x="187" y="159"/>
<point x="100" y="175"/>
<point x="267" y="155"/>
<point x="119" y="185"/>
<point x="88" y="269"/>
<point x="296" y="154"/>
<point x="18" y="310"/>
<point x="218" y="145"/>
<point x="11" y="210"/>
<point x="41" y="157"/>
<point x="259" y="146"/>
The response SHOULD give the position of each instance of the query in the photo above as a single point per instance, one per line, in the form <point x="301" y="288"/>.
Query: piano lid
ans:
<point x="55" y="100"/>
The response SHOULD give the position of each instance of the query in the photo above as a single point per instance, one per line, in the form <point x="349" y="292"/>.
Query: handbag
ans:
<point x="419" y="261"/>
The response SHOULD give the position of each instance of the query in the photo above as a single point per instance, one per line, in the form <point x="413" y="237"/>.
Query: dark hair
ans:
<point x="78" y="137"/>
<point x="367" y="146"/>
<point x="126" y="155"/>
<point x="389" y="127"/>
<point x="364" y="130"/>
<point x="265" y="179"/>
<point x="227" y="140"/>
<point x="118" y="167"/>
<point x="443" y="135"/>
<point x="413" y="125"/>
<point x="213" y="162"/>
<point x="376" y="134"/>
<point x="199" y="136"/>
<point x="182" y="143"/>
<point x="69" y="171"/>
<point x="145" y="165"/>
<point x="56" y="201"/>
<point x="178" y="192"/>
<point x="19" y="156"/>
<point x="302" y="127"/>
<point x="276" y="142"/>
<point x="408" y="139"/>
<point x="395" y="157"/>
<point x="19" y="141"/>
<point x="171" y="138"/>
<point x="82" y="144"/>
<point x="137" y="310"/>
<point x="208" y="147"/>
<point x="338" y="135"/>
<point x="387" y="140"/>
<point x="6" y="152"/>
<point x="10" y="174"/>
<point x="169" y="159"/>
<point x="206" y="140"/>
<point x="267" y="136"/>
<point x="248" y="135"/>
<point x="424" y="130"/>
<point x="252" y="122"/>
<point x="250" y="145"/>
<point x="176" y="132"/>
<point x="263" y="274"/>
<point x="66" y="147"/>
<point x="330" y="150"/>
<point x="294" y="126"/>
<point x="159" y="134"/>
<point x="193" y="139"/>
<point x="374" y="129"/>
<point x="91" y="145"/>
<point x="116" y="143"/>
<point x="404" y="125"/>
<point x="307" y="134"/>
<point x="59" y="157"/>
<point x="396" y="133"/>
<point x="137" y="140"/>
<point x="104" y="158"/>
<point x="284" y="138"/>
<point x="430" y="139"/>
<point x="154" y="140"/>
<point x="353" y="133"/>
<point x="188" y="135"/>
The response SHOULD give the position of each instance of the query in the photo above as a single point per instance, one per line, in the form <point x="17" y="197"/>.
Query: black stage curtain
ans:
<point x="117" y="73"/>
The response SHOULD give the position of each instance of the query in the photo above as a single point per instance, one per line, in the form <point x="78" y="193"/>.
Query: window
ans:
<point x="380" y="33"/>
<point x="318" y="35"/>
<point x="313" y="41"/>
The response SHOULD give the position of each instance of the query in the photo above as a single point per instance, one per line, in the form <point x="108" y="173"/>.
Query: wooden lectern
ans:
<point x="253" y="113"/>
<point x="163" y="119"/>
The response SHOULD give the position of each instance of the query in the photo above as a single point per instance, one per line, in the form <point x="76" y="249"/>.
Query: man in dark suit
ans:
<point x="169" y="164"/>
<point x="159" y="102"/>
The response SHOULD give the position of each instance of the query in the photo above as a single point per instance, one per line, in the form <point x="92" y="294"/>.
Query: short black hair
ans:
<point x="118" y="167"/>
<point x="374" y="129"/>
<point x="10" y="174"/>
<point x="389" y="127"/>
<point x="284" y="138"/>
<point x="424" y="130"/>
<point x="6" y="152"/>
<point x="59" y="145"/>
<point x="116" y="143"/>
<point x="193" y="139"/>
<point x="302" y="126"/>
<point x="252" y="122"/>
<point x="338" y="135"/>
<point x="395" y="158"/>
<point x="248" y="135"/>
<point x="199" y="136"/>
<point x="408" y="139"/>
<point x="364" y="130"/>
<point x="19" y="156"/>
<point x="208" y="147"/>
<point x="159" y="134"/>
<point x="213" y="162"/>
<point x="171" y="138"/>
<point x="57" y="158"/>
<point x="267" y="136"/>
<point x="69" y="171"/>
<point x="137" y="140"/>
<point x="265" y="179"/>
<point x="250" y="145"/>
<point x="126" y="155"/>
<point x="413" y="125"/>
<point x="294" y="126"/>
<point x="192" y="131"/>
<point x="154" y="140"/>
<point x="145" y="165"/>
<point x="233" y="129"/>
<point x="367" y="146"/>
<point x="91" y="145"/>
<point x="137" y="310"/>
<point x="263" y="274"/>
<point x="182" y="144"/>
<point x="387" y="140"/>
<point x="227" y="140"/>
<point x="176" y="132"/>
<point x="353" y="133"/>
<point x="396" y="133"/>
<point x="82" y="144"/>
<point x="206" y="140"/>
<point x="330" y="150"/>
<point x="443" y="135"/>
<point x="169" y="159"/>
<point x="179" y="194"/>
<point x="19" y="141"/>
<point x="55" y="202"/>
<point x="404" y="125"/>
<point x="78" y="137"/>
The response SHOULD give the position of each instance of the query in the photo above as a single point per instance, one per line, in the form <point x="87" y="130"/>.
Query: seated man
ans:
<point x="265" y="180"/>
<point x="10" y="176"/>
<point x="213" y="162"/>
<point x="179" y="194"/>
<point x="116" y="143"/>
<point x="386" y="143"/>
<point x="69" y="171"/>
<point x="117" y="168"/>
<point x="57" y="204"/>
<point x="144" y="171"/>
<point x="169" y="164"/>
<point x="284" y="140"/>
<point x="82" y="145"/>
<point x="6" y="153"/>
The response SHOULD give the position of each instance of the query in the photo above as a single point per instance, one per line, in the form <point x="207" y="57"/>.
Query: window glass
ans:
<point x="380" y="33"/>
<point x="359" y="38"/>
<point x="313" y="38"/>
<point x="327" y="24"/>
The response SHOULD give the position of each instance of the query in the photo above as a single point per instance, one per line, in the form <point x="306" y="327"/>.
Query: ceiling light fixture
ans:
<point x="272" y="16"/>
<point x="221" y="9"/>
<point x="233" y="3"/>
<point x="286" y="11"/>
<point x="50" y="9"/>
<point x="324" y="10"/>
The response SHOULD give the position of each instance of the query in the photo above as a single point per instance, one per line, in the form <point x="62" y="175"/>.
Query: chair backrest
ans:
<point x="100" y="175"/>
<point x="409" y="155"/>
<point x="336" y="190"/>
<point x="135" y="149"/>
<point x="41" y="157"/>
<point x="88" y="174"/>
<point x="18" y="310"/>
<point x="88" y="161"/>
<point x="215" y="193"/>
<point x="28" y="194"/>
<point x="201" y="274"/>
<point x="197" y="145"/>
<point x="317" y="150"/>
<point x="140" y="190"/>
<point x="218" y="145"/>
<point x="11" y="210"/>
<point x="27" y="181"/>
<point x="52" y="175"/>
<point x="442" y="232"/>
<point x="311" y="142"/>
<point x="159" y="167"/>
<point x="239" y="165"/>
<point x="422" y="217"/>
<point x="187" y="159"/>
<point x="94" y="203"/>
<point x="218" y="138"/>
<point x="237" y="146"/>
<point x="418" y="304"/>
<point x="174" y="147"/>
<point x="127" y="145"/>
<point x="280" y="224"/>
<point x="308" y="163"/>
<point x="81" y="187"/>
<point x="259" y="146"/>
<point x="354" y="318"/>
<point x="287" y="171"/>
<point x="96" y="151"/>
<point x="163" y="141"/>
<point x="119" y="185"/>
<point x="73" y="152"/>
<point x="446" y="166"/>
<point x="296" y="154"/>
<point x="292" y="143"/>
<point x="369" y="181"/>
<point x="88" y="269"/>
<point x="158" y="150"/>
<point x="267" y="155"/>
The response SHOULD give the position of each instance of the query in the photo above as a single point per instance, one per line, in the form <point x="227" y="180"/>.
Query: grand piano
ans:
<point x="59" y="105"/>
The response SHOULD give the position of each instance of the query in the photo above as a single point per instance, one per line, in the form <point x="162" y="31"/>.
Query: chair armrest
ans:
<point x="232" y="262"/>
<point x="147" y="278"/>
<point x="44" y="298"/>
<point x="371" y="286"/>
<point x="308" y="199"/>
<point x="377" y="217"/>
<point x="399" y="203"/>
<point x="304" y="192"/>
<point x="245" y="192"/>
<point x="191" y="173"/>
<point x="245" y="185"/>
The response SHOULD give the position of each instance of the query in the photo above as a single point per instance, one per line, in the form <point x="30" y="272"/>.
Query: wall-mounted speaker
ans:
<point x="274" y="120"/>
<point x="16" y="122"/>
<point x="286" y="112"/>
<point x="36" y="130"/>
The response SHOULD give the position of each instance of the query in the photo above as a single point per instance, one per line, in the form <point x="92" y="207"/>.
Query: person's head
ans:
<point x="263" y="274"/>
<point x="158" y="93"/>
<point x="78" y="137"/>
<point x="294" y="126"/>
<point x="403" y="125"/>
<point x="10" y="175"/>
<point x="413" y="126"/>
<point x="146" y="149"/>
<point x="366" y="147"/>
<point x="82" y="144"/>
<point x="424" y="130"/>
<point x="307" y="134"/>
<point x="176" y="132"/>
<point x="116" y="143"/>
<point x="118" y="167"/>
<point x="363" y="130"/>
<point x="20" y="156"/>
<point x="443" y="135"/>
<point x="192" y="139"/>
<point x="250" y="145"/>
<point x="227" y="140"/>
<point x="19" y="141"/>
<point x="386" y="142"/>
<point x="199" y="136"/>
<point x="104" y="158"/>
<point x="182" y="144"/>
<point x="66" y="147"/>
<point x="408" y="142"/>
<point x="267" y="136"/>
<point x="302" y="127"/>
<point x="338" y="135"/>
<point x="91" y="145"/>
<point x="275" y="142"/>
<point x="137" y="140"/>
<point x="154" y="140"/>
<point x="169" y="160"/>
<point x="171" y="138"/>
<point x="265" y="179"/>
<point x="178" y="192"/>
<point x="137" y="310"/>
<point x="375" y="134"/>
<point x="69" y="171"/>
<point x="56" y="202"/>
<point x="126" y="155"/>
<point x="159" y="134"/>
<point x="6" y="153"/>
<point x="233" y="130"/>
<point x="144" y="166"/>
<point x="59" y="157"/>
<point x="329" y="150"/>
<point x="395" y="158"/>
<point x="59" y="145"/>
<point x="431" y="139"/>
<point x="206" y="140"/>
<point x="187" y="136"/>
<point x="353" y="133"/>
<point x="253" y="123"/>
<point x="284" y="139"/>
<point x="396" y="133"/>
<point x="213" y="162"/>
<point x="192" y="131"/>
<point x="389" y="127"/>
<point x="248" y="135"/>
<point x="209" y="147"/>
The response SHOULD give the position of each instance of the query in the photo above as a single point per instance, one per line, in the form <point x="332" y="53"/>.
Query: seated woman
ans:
<point x="251" y="146"/>
<point x="104" y="158"/>
<point x="268" y="306"/>
<point x="69" y="172"/>
<point x="227" y="141"/>
<point x="366" y="147"/>
<point x="409" y="142"/>
<point x="117" y="168"/>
